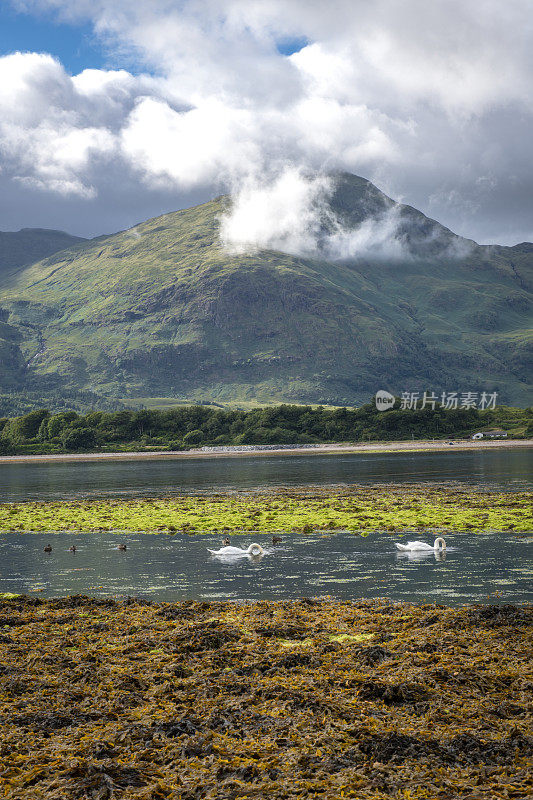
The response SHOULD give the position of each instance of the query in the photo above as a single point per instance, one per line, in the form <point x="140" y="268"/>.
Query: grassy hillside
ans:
<point x="28" y="245"/>
<point x="162" y="310"/>
<point x="18" y="249"/>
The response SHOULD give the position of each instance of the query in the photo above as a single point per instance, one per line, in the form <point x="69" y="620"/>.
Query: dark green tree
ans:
<point x="79" y="439"/>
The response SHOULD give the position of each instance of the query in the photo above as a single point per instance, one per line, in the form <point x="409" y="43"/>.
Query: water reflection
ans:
<point x="476" y="568"/>
<point x="230" y="559"/>
<point x="420" y="555"/>
<point x="501" y="469"/>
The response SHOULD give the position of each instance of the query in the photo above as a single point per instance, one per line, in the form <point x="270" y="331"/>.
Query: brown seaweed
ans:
<point x="104" y="700"/>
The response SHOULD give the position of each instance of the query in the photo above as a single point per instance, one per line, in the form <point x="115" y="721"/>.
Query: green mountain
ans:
<point x="18" y="248"/>
<point x="163" y="310"/>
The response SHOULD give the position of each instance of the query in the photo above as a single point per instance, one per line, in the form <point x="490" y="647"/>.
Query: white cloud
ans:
<point x="426" y="98"/>
<point x="203" y="145"/>
<point x="54" y="129"/>
<point x="283" y="214"/>
<point x="373" y="238"/>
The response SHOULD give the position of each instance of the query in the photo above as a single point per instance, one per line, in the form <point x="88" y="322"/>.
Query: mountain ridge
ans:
<point x="28" y="245"/>
<point x="162" y="309"/>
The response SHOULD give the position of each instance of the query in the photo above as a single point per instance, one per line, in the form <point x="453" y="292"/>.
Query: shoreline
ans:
<point x="420" y="446"/>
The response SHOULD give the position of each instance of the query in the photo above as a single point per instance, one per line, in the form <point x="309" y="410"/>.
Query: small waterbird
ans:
<point x="121" y="547"/>
<point x="276" y="540"/>
<point x="225" y="541"/>
<point x="72" y="548"/>
<point x="47" y="548"/>
<point x="438" y="545"/>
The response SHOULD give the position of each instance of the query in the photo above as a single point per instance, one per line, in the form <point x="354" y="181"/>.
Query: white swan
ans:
<point x="238" y="552"/>
<point x="438" y="545"/>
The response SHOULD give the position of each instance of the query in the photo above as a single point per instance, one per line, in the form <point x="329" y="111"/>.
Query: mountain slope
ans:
<point x="164" y="310"/>
<point x="18" y="248"/>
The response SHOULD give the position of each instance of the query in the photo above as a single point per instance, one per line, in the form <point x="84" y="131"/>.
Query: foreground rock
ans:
<point x="104" y="699"/>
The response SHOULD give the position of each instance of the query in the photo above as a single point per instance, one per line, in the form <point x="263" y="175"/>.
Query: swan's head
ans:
<point x="255" y="550"/>
<point x="439" y="544"/>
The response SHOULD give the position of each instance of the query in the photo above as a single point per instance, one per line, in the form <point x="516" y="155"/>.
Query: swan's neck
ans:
<point x="440" y="544"/>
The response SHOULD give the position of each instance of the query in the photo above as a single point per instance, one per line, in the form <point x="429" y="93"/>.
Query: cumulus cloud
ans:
<point x="56" y="129"/>
<point x="431" y="100"/>
<point x="203" y="145"/>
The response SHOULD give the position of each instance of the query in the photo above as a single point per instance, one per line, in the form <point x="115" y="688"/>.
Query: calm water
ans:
<point x="480" y="568"/>
<point x="499" y="469"/>
<point x="477" y="568"/>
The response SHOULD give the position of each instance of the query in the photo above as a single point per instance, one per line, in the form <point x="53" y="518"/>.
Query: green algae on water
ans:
<point x="359" y="510"/>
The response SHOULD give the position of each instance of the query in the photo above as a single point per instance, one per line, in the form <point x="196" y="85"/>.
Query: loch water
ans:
<point x="477" y="568"/>
<point x="501" y="469"/>
<point x="487" y="568"/>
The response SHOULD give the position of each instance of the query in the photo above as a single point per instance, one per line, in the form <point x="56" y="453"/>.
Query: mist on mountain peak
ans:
<point x="334" y="215"/>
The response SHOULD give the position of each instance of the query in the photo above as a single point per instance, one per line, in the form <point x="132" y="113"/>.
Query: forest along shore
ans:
<point x="304" y="450"/>
<point x="308" y="698"/>
<point x="356" y="509"/>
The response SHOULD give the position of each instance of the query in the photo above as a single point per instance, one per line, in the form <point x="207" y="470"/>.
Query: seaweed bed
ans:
<point x="358" y="509"/>
<point x="313" y="698"/>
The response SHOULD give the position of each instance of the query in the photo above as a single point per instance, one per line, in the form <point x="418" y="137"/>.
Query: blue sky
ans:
<point x="75" y="46"/>
<point x="289" y="46"/>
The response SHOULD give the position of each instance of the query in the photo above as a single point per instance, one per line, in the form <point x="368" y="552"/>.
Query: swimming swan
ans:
<point x="238" y="552"/>
<point x="438" y="545"/>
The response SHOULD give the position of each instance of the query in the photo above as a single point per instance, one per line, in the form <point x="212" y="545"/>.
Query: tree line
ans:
<point x="187" y="427"/>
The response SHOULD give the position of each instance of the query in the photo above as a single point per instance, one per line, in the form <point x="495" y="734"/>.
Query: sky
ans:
<point x="112" y="112"/>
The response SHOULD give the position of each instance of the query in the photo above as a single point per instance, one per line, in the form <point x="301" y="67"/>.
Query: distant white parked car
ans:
<point x="477" y="436"/>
